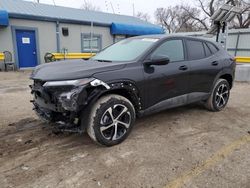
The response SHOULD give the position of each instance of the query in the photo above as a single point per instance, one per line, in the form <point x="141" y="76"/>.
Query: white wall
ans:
<point x="6" y="39"/>
<point x="73" y="41"/>
<point x="243" y="41"/>
<point x="47" y="36"/>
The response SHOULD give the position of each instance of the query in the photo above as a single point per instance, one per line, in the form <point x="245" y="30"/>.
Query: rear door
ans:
<point x="167" y="81"/>
<point x="204" y="65"/>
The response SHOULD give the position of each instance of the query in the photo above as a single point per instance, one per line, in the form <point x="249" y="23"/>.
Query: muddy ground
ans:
<point x="182" y="147"/>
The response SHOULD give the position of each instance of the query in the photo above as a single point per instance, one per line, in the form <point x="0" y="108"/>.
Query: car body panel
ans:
<point x="202" y="73"/>
<point x="176" y="101"/>
<point x="72" y="69"/>
<point x="133" y="74"/>
<point x="164" y="82"/>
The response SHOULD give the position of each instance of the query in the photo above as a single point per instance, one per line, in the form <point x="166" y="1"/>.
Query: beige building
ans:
<point x="29" y="30"/>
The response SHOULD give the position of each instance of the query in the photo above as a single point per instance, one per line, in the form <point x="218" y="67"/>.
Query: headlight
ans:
<point x="68" y="82"/>
<point x="69" y="99"/>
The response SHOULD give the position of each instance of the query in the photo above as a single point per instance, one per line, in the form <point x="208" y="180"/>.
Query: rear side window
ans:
<point x="172" y="48"/>
<point x="207" y="50"/>
<point x="195" y="50"/>
<point x="212" y="47"/>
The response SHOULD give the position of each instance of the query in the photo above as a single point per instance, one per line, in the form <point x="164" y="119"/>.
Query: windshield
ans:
<point x="125" y="50"/>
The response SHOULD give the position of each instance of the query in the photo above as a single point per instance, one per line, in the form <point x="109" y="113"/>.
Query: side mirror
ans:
<point x="158" y="60"/>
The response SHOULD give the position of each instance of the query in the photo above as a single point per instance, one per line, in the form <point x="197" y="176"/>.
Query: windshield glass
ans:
<point x="125" y="50"/>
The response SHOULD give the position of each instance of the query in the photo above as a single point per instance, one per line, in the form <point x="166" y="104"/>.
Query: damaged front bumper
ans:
<point x="62" y="102"/>
<point x="59" y="104"/>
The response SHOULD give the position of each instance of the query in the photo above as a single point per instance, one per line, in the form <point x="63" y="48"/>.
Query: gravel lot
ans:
<point x="182" y="147"/>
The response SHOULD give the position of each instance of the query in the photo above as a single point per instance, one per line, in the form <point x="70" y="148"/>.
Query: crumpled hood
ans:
<point x="72" y="69"/>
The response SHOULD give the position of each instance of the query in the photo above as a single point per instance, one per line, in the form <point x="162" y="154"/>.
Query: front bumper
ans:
<point x="58" y="104"/>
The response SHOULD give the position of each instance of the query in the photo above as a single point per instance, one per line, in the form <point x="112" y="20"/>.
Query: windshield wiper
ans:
<point x="103" y="60"/>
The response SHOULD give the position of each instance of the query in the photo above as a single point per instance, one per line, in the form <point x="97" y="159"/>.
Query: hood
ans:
<point x="72" y="69"/>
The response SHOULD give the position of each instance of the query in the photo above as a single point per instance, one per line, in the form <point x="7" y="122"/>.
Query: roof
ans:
<point x="35" y="11"/>
<point x="133" y="30"/>
<point x="177" y="35"/>
<point x="4" y="21"/>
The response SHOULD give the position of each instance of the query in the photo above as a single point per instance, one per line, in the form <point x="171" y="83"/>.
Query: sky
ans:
<point x="124" y="7"/>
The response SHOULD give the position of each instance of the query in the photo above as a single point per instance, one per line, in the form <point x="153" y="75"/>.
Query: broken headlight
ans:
<point x="78" y="82"/>
<point x="69" y="98"/>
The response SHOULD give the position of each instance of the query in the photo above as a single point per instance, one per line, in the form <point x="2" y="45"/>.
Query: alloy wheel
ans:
<point x="222" y="95"/>
<point x="115" y="122"/>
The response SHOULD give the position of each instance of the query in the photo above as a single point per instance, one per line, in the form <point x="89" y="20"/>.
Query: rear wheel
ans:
<point x="111" y="120"/>
<point x="219" y="96"/>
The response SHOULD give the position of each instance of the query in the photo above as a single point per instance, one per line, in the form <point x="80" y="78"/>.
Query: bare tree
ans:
<point x="179" y="18"/>
<point x="188" y="18"/>
<point x="208" y="8"/>
<point x="194" y="14"/>
<point x="242" y="20"/>
<point x="89" y="6"/>
<point x="143" y="16"/>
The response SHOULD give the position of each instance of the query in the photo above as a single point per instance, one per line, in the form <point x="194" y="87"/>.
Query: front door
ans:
<point x="26" y="48"/>
<point x="167" y="81"/>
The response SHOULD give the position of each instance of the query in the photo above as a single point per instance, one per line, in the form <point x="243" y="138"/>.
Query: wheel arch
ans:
<point x="229" y="78"/>
<point x="224" y="74"/>
<point x="125" y="93"/>
<point x="124" y="88"/>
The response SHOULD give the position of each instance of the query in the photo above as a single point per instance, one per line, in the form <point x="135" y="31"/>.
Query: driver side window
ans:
<point x="172" y="48"/>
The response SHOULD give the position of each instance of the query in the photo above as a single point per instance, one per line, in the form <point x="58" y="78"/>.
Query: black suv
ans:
<point x="131" y="78"/>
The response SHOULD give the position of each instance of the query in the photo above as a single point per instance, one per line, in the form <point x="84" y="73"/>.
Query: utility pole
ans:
<point x="133" y="9"/>
<point x="91" y="37"/>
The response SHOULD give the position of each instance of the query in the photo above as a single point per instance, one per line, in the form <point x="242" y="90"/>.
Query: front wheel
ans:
<point x="111" y="120"/>
<point x="219" y="96"/>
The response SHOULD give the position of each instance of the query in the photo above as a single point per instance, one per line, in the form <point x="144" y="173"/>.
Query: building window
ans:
<point x="93" y="45"/>
<point x="65" y="31"/>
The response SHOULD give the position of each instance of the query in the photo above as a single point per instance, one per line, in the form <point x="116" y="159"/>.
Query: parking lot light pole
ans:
<point x="91" y="37"/>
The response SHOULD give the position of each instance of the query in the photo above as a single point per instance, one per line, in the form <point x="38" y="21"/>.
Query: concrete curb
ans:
<point x="242" y="72"/>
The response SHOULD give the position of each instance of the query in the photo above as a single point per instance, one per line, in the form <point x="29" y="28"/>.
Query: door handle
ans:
<point x="183" y="67"/>
<point x="34" y="53"/>
<point x="215" y="63"/>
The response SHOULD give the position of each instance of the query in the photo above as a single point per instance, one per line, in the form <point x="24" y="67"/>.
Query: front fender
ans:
<point x="126" y="88"/>
<point x="122" y="87"/>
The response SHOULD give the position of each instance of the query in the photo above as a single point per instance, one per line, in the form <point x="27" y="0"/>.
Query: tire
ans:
<point x="111" y="120"/>
<point x="219" y="96"/>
